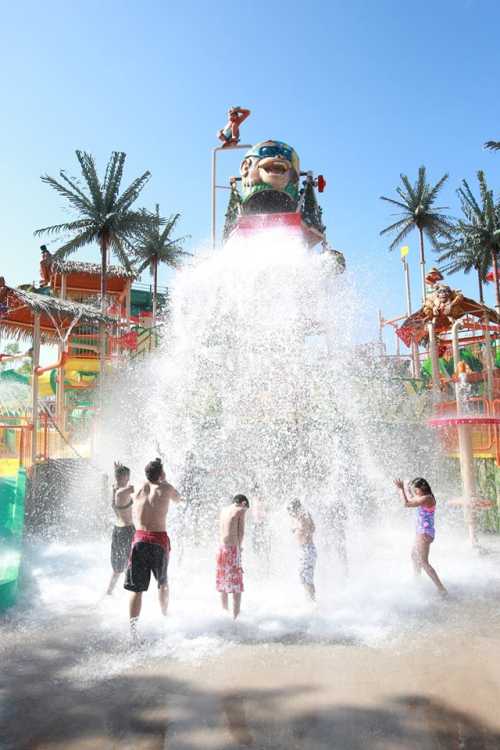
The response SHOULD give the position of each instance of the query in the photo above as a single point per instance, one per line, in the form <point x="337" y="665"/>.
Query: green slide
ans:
<point x="12" y="493"/>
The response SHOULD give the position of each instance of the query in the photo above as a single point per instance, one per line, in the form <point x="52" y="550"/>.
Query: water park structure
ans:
<point x="49" y="413"/>
<point x="455" y="355"/>
<point x="58" y="418"/>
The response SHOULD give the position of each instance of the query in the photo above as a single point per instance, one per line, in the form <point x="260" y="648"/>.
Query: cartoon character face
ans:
<point x="444" y="294"/>
<point x="270" y="165"/>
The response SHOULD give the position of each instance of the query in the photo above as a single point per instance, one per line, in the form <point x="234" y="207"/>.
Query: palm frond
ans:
<point x="89" y="172"/>
<point x="395" y="203"/>
<point x="75" y="243"/>
<point x="418" y="210"/>
<point x="113" y="178"/>
<point x="73" y="198"/>
<point x="85" y="199"/>
<point x="119" y="247"/>
<point x="69" y="226"/>
<point x="492" y="145"/>
<point x="132" y="192"/>
<point x="396" y="226"/>
<point x="432" y="194"/>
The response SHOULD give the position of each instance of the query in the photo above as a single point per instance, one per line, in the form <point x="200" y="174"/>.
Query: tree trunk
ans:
<point x="155" y="288"/>
<point x="104" y="268"/>
<point x="422" y="263"/>
<point x="480" y="284"/>
<point x="496" y="280"/>
<point x="102" y="327"/>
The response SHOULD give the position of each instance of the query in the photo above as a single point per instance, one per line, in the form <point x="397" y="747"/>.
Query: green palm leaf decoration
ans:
<point x="475" y="242"/>
<point x="154" y="245"/>
<point x="417" y="210"/>
<point x="102" y="215"/>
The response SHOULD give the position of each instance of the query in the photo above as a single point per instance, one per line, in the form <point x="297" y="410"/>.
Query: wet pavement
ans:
<point x="435" y="692"/>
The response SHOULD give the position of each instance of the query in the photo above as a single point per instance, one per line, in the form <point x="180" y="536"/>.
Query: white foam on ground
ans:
<point x="379" y="605"/>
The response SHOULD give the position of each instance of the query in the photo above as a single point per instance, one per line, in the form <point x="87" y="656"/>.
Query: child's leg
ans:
<point x="112" y="583"/>
<point x="236" y="605"/>
<point x="416" y="558"/>
<point x="224" y="599"/>
<point x="163" y="598"/>
<point x="310" y="591"/>
<point x="424" y="547"/>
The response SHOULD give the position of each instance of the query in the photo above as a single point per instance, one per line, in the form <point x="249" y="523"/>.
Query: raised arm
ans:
<point x="416" y="502"/>
<point x="242" y="114"/>
<point x="174" y="495"/>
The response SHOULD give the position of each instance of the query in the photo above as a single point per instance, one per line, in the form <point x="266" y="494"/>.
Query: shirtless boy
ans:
<point x="303" y="527"/>
<point x="123" y="530"/>
<point x="229" y="578"/>
<point x="150" y="545"/>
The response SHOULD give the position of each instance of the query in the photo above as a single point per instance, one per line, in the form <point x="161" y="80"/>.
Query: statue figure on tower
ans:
<point x="230" y="133"/>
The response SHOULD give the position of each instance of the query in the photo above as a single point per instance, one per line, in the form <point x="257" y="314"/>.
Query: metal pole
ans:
<point x="436" y="383"/>
<point x="215" y="186"/>
<point x="422" y="266"/>
<point x="34" y="395"/>
<point x="465" y="449"/>
<point x="102" y="363"/>
<point x="60" y="416"/>
<point x="214" y="193"/>
<point x="415" y="359"/>
<point x="406" y="269"/>
<point x="454" y="344"/>
<point x="490" y="367"/>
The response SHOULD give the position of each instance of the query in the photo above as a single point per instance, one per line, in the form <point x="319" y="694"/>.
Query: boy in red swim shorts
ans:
<point x="150" y="545"/>
<point x="229" y="579"/>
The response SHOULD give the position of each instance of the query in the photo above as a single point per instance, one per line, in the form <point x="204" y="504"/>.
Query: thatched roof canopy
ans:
<point x="86" y="277"/>
<point x="94" y="269"/>
<point x="18" y="308"/>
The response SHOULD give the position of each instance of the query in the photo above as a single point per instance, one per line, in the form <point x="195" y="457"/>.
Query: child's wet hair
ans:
<point x="294" y="505"/>
<point x="241" y="500"/>
<point x="421" y="484"/>
<point x="121" y="470"/>
<point x="153" y="470"/>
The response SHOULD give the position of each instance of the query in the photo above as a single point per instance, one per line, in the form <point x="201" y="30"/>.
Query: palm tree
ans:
<point x="154" y="245"/>
<point x="417" y="211"/>
<point x="103" y="215"/>
<point x="479" y="230"/>
<point x="492" y="145"/>
<point x="458" y="255"/>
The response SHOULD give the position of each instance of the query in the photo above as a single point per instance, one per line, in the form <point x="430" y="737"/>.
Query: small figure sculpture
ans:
<point x="442" y="307"/>
<point x="4" y="296"/>
<point x="230" y="133"/>
<point x="45" y="263"/>
<point x="433" y="277"/>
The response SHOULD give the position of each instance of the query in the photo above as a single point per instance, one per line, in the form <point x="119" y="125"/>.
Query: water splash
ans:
<point x="262" y="385"/>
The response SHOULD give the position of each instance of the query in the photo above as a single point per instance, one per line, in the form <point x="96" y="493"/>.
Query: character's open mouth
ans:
<point x="275" y="166"/>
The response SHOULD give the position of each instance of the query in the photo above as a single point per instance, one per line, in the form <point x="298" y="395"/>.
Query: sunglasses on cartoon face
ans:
<point x="274" y="151"/>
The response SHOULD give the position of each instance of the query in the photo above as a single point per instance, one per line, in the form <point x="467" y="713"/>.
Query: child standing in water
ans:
<point x="124" y="529"/>
<point x="425" y="503"/>
<point x="303" y="527"/>
<point x="229" y="576"/>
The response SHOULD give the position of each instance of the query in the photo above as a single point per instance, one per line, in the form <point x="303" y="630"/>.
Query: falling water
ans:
<point x="263" y="384"/>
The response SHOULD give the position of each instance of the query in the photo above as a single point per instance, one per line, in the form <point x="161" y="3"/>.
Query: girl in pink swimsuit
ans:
<point x="425" y="503"/>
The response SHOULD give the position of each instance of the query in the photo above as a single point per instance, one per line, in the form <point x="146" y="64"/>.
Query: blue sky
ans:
<point x="364" y="90"/>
